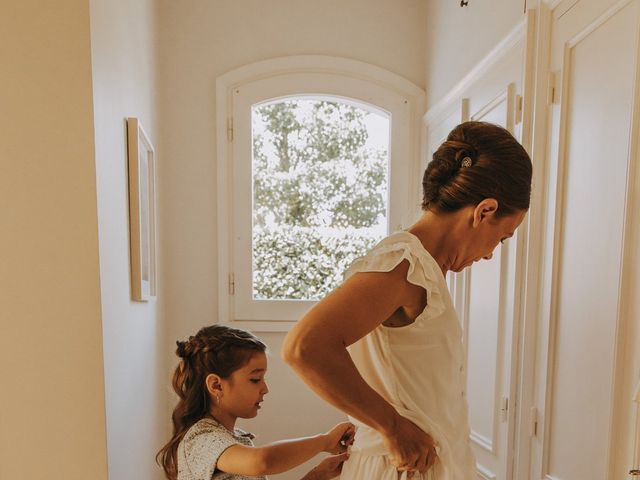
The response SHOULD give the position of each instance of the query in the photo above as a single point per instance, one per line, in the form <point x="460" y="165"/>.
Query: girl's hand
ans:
<point x="410" y="448"/>
<point x="339" y="437"/>
<point x="328" y="468"/>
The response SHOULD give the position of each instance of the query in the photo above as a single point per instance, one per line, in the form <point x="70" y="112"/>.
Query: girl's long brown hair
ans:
<point x="216" y="349"/>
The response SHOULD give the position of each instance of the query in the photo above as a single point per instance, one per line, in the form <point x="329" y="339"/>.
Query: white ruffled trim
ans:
<point x="423" y="269"/>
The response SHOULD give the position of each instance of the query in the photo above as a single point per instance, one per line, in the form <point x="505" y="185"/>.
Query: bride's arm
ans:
<point x="317" y="349"/>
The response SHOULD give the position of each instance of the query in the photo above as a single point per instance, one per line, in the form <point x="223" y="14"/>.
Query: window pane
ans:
<point x="320" y="193"/>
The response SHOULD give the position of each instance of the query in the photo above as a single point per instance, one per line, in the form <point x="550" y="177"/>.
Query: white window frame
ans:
<point x="299" y="76"/>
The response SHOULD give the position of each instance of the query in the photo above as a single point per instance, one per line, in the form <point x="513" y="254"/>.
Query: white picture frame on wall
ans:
<point x="142" y="212"/>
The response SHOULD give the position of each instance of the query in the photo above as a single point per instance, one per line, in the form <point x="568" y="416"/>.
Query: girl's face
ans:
<point x="243" y="391"/>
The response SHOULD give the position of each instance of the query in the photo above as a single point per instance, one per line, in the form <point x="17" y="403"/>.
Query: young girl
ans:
<point x="220" y="379"/>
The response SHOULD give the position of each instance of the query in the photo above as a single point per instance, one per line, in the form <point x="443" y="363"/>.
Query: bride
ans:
<point x="386" y="346"/>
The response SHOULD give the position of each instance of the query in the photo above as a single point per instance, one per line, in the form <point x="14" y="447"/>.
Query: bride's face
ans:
<point x="486" y="233"/>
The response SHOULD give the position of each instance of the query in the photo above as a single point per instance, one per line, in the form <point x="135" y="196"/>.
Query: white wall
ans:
<point x="200" y="41"/>
<point x="123" y="49"/>
<point x="52" y="422"/>
<point x="457" y="38"/>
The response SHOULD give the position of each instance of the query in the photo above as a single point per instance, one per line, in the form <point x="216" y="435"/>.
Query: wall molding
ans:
<point x="517" y="34"/>
<point x="319" y="64"/>
<point x="485" y="473"/>
<point x="482" y="441"/>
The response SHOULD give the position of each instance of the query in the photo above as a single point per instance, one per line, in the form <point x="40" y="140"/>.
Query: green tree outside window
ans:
<point x="320" y="191"/>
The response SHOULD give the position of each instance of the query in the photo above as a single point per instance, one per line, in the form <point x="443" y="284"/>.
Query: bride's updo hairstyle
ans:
<point x="478" y="160"/>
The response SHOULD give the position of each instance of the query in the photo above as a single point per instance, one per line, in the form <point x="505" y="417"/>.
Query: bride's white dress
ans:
<point x="417" y="368"/>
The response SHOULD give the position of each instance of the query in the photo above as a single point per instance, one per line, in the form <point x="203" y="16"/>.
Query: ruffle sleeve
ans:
<point x="423" y="269"/>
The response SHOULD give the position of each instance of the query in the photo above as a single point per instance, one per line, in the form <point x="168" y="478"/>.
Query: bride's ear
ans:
<point x="485" y="210"/>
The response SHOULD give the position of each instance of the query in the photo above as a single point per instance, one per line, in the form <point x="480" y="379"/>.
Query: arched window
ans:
<point x="316" y="162"/>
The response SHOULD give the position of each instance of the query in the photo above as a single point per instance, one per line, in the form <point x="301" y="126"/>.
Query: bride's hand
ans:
<point x="410" y="448"/>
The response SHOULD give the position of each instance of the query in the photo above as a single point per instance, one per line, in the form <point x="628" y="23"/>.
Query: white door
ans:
<point x="489" y="312"/>
<point x="586" y="363"/>
<point x="486" y="295"/>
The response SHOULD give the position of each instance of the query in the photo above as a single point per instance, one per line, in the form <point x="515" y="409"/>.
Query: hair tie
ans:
<point x="466" y="162"/>
<point x="182" y="349"/>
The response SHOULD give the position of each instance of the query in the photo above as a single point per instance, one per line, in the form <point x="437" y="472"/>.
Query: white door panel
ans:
<point x="489" y="316"/>
<point x="486" y="294"/>
<point x="594" y="50"/>
<point x="483" y="352"/>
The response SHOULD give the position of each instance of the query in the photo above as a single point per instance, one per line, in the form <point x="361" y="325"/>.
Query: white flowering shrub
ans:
<point x="304" y="263"/>
<point x="319" y="195"/>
